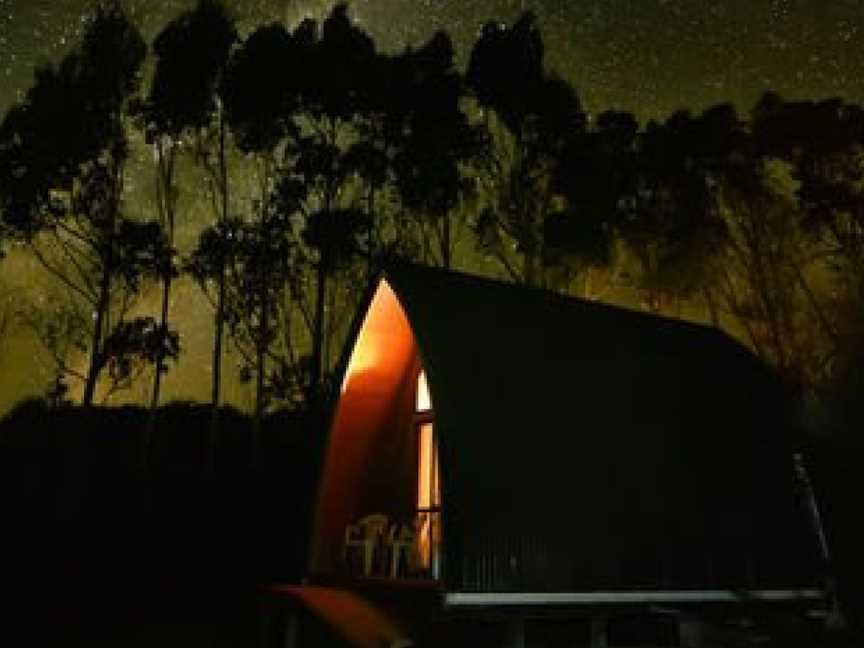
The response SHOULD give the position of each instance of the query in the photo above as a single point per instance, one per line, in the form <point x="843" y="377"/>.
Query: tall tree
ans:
<point x="675" y="222"/>
<point x="437" y="146"/>
<point x="530" y="116"/>
<point x="824" y="144"/>
<point x="255" y="257"/>
<point x="318" y="174"/>
<point x="714" y="217"/>
<point x="819" y="144"/>
<point x="61" y="190"/>
<point x="191" y="52"/>
<point x="596" y="176"/>
<point x="260" y="106"/>
<point x="184" y="111"/>
<point x="757" y="278"/>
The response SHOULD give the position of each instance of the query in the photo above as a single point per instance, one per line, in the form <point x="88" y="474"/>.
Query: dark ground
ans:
<point x="93" y="552"/>
<point x="97" y="553"/>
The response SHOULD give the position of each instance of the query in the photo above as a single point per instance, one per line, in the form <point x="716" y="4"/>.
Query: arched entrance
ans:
<point x="380" y="497"/>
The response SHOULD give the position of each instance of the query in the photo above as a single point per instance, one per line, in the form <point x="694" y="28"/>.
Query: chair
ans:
<point x="428" y="542"/>
<point x="402" y="538"/>
<point x="365" y="535"/>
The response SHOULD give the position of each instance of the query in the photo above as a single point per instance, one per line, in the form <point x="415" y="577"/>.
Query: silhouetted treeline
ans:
<point x="321" y="158"/>
<point x="87" y="551"/>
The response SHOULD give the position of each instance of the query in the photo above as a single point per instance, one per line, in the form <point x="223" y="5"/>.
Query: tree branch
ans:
<point x="62" y="277"/>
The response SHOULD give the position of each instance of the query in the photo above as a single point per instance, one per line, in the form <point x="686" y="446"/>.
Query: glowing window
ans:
<point x="428" y="487"/>
<point x="428" y="500"/>
<point x="428" y="492"/>
<point x="424" y="401"/>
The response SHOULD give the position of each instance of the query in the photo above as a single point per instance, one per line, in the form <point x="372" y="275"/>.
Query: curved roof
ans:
<point x="586" y="446"/>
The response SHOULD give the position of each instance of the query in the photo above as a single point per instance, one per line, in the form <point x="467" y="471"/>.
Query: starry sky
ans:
<point x="650" y="57"/>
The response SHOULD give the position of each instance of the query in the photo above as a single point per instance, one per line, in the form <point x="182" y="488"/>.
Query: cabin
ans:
<point x="523" y="458"/>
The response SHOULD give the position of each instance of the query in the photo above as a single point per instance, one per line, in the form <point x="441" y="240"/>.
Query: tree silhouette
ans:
<point x="815" y="147"/>
<point x="823" y="144"/>
<point x="62" y="190"/>
<point x="714" y="218"/>
<point x="191" y="52"/>
<point x="259" y="100"/>
<point x="61" y="326"/>
<point x="438" y="146"/>
<point x="256" y="257"/>
<point x="757" y="280"/>
<point x="6" y="312"/>
<point x="675" y="220"/>
<point x="90" y="88"/>
<point x="596" y="175"/>
<point x="318" y="174"/>
<point x="183" y="112"/>
<point x="538" y="114"/>
<point x="260" y="105"/>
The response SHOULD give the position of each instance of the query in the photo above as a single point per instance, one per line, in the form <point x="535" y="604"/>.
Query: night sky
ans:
<point x="647" y="56"/>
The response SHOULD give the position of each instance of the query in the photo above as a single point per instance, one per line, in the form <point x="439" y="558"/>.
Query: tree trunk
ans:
<point x="258" y="418"/>
<point x="317" y="360"/>
<point x="74" y="479"/>
<point x="261" y="346"/>
<point x="446" y="241"/>
<point x="712" y="307"/>
<point x="165" y="197"/>
<point x="371" y="240"/>
<point x="816" y="306"/>
<point x="216" y="378"/>
<point x="219" y="323"/>
<point x="529" y="269"/>
<point x="150" y="427"/>
<point x="96" y="361"/>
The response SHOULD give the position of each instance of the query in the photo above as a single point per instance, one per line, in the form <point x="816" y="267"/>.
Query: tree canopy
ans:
<point x="323" y="156"/>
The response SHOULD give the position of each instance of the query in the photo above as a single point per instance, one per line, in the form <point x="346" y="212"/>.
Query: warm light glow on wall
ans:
<point x="382" y="360"/>
<point x="424" y="401"/>
<point x="384" y="326"/>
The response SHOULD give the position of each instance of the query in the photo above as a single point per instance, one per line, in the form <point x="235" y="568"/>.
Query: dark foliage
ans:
<point x="165" y="554"/>
<point x="261" y="88"/>
<point x="191" y="53"/>
<point x="540" y="114"/>
<point x="437" y="143"/>
<point x="89" y="88"/>
<point x="141" y="340"/>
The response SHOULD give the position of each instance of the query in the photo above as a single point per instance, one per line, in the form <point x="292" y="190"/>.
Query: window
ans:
<point x="423" y="400"/>
<point x="428" y="493"/>
<point x="428" y="487"/>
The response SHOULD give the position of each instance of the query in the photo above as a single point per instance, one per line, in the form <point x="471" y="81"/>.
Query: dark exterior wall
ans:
<point x="586" y="447"/>
<point x="654" y="476"/>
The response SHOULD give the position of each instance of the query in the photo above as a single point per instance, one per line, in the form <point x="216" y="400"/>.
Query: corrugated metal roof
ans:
<point x="585" y="446"/>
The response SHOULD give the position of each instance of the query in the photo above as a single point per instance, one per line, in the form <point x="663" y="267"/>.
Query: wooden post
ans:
<point x="292" y="623"/>
<point x="696" y="632"/>
<point x="599" y="638"/>
<point x="515" y="633"/>
<point x="265" y="624"/>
